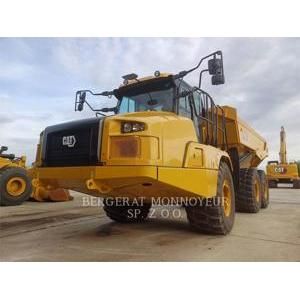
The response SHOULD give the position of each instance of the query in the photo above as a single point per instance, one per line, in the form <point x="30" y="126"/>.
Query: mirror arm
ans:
<point x="184" y="73"/>
<point x="200" y="77"/>
<point x="91" y="108"/>
<point x="99" y="113"/>
<point x="105" y="93"/>
<point x="82" y="101"/>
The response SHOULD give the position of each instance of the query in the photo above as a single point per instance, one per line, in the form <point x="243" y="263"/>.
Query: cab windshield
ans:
<point x="156" y="95"/>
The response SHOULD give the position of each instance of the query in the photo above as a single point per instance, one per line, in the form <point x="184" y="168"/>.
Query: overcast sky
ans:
<point x="39" y="77"/>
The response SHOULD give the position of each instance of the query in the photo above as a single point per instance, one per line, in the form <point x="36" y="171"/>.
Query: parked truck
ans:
<point x="162" y="138"/>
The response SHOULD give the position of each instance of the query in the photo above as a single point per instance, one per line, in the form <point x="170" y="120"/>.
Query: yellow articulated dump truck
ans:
<point x="281" y="171"/>
<point x="15" y="184"/>
<point x="159" y="137"/>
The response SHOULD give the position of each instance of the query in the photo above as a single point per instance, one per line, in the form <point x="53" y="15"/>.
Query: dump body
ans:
<point x="252" y="148"/>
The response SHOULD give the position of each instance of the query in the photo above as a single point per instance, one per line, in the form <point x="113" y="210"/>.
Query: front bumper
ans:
<point x="129" y="181"/>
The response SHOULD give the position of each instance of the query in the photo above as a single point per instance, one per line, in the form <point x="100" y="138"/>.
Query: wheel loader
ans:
<point x="15" y="184"/>
<point x="281" y="171"/>
<point x="159" y="137"/>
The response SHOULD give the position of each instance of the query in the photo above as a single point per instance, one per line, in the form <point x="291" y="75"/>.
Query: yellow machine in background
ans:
<point x="166" y="139"/>
<point x="15" y="184"/>
<point x="47" y="193"/>
<point x="282" y="171"/>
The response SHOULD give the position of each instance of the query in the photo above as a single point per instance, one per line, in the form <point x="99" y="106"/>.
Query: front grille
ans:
<point x="72" y="144"/>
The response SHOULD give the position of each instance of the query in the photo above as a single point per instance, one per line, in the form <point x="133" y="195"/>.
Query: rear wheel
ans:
<point x="124" y="213"/>
<point x="296" y="184"/>
<point x="249" y="195"/>
<point x="15" y="186"/>
<point x="216" y="217"/>
<point x="264" y="189"/>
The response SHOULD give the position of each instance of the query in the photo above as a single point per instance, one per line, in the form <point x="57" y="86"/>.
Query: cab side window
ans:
<point x="184" y="107"/>
<point x="199" y="105"/>
<point x="197" y="101"/>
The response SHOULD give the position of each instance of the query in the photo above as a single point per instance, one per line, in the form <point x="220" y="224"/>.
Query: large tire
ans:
<point x="272" y="184"/>
<point x="296" y="184"/>
<point x="218" y="217"/>
<point x="134" y="213"/>
<point x="264" y="189"/>
<point x="249" y="195"/>
<point x="15" y="186"/>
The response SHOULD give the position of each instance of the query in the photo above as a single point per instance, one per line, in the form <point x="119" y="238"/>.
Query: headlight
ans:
<point x="127" y="127"/>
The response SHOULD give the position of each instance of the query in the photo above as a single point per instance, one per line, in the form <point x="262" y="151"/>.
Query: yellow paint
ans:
<point x="130" y="181"/>
<point x="282" y="152"/>
<point x="282" y="171"/>
<point x="163" y="142"/>
<point x="201" y="182"/>
<point x="16" y="186"/>
<point x="4" y="162"/>
<point x="227" y="198"/>
<point x="257" y="190"/>
<point x="45" y="191"/>
<point x="245" y="139"/>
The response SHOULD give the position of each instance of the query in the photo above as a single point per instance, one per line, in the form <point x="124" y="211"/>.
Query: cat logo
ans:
<point x="69" y="141"/>
<point x="281" y="170"/>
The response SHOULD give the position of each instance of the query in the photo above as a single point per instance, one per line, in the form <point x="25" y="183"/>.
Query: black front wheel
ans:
<point x="15" y="186"/>
<point x="215" y="216"/>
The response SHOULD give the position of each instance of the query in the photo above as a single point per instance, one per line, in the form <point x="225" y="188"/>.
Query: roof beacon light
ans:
<point x="156" y="73"/>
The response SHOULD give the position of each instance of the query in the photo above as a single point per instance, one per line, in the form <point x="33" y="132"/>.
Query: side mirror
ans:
<point x="82" y="97"/>
<point x="215" y="66"/>
<point x="80" y="107"/>
<point x="3" y="149"/>
<point x="217" y="79"/>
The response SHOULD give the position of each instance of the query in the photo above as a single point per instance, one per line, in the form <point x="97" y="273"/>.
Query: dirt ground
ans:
<point x="73" y="232"/>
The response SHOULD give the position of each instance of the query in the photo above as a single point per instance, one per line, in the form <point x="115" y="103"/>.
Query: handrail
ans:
<point x="209" y="113"/>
